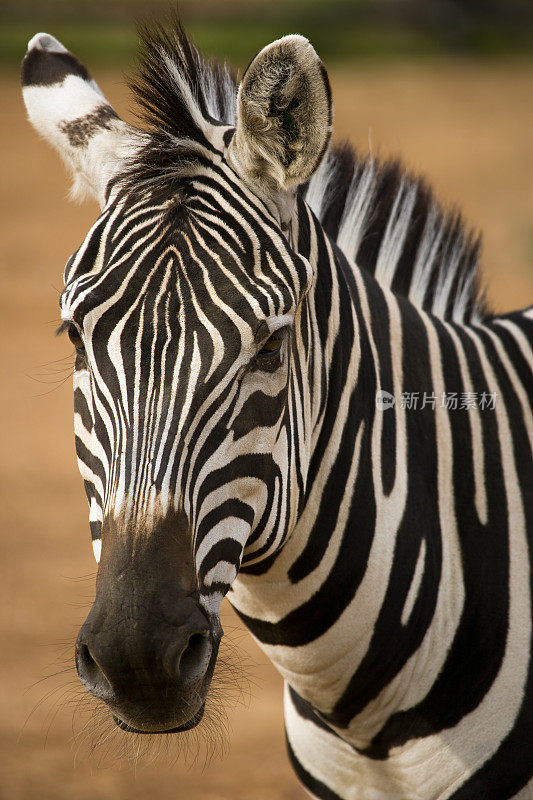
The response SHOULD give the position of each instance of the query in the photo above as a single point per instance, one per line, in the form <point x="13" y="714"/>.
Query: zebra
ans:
<point x="289" y="390"/>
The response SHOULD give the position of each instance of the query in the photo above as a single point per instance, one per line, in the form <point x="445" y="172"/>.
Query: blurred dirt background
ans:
<point x="466" y="124"/>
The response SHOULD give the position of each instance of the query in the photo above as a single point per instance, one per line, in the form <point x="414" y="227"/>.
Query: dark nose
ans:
<point x="147" y="648"/>
<point x="136" y="664"/>
<point x="184" y="660"/>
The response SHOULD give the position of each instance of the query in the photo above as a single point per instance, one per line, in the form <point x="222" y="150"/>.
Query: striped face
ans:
<point x="187" y="308"/>
<point x="186" y="323"/>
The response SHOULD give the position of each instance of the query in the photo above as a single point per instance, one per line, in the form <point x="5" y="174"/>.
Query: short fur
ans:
<point x="284" y="116"/>
<point x="383" y="217"/>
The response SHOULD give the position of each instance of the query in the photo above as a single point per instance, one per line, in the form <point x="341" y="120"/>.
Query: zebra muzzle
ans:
<point x="147" y="648"/>
<point x="149" y="687"/>
<point x="187" y="726"/>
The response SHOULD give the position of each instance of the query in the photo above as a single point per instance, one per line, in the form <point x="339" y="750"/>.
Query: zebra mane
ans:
<point x="385" y="219"/>
<point x="390" y="223"/>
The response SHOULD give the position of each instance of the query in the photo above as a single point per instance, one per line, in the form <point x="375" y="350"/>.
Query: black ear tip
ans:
<point x="48" y="62"/>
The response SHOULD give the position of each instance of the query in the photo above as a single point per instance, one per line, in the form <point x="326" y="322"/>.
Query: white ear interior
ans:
<point x="284" y="116"/>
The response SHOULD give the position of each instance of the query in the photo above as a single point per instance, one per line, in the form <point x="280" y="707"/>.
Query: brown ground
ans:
<point x="468" y="128"/>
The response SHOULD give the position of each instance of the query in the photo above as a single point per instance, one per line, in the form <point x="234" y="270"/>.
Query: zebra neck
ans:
<point x="354" y="586"/>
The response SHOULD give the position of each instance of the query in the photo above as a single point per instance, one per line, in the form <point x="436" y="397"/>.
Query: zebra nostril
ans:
<point x="90" y="673"/>
<point x="195" y="659"/>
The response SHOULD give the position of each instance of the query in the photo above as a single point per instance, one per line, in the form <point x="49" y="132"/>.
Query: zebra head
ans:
<point x="186" y="305"/>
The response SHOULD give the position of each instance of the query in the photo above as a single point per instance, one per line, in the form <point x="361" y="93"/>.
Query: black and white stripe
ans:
<point x="380" y="558"/>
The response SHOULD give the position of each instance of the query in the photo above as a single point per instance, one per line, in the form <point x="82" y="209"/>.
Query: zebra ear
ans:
<point x="284" y="116"/>
<point x="68" y="109"/>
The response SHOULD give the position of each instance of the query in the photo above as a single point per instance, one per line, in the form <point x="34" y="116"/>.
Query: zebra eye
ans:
<point x="76" y="339"/>
<point x="268" y="357"/>
<point x="272" y="344"/>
